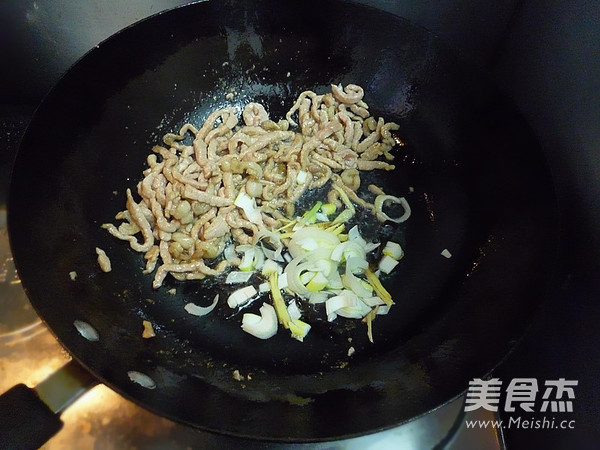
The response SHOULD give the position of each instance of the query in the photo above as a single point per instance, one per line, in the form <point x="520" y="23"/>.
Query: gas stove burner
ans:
<point x="18" y="320"/>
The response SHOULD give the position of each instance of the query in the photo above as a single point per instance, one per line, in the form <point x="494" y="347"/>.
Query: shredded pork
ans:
<point x="186" y="211"/>
<point x="103" y="261"/>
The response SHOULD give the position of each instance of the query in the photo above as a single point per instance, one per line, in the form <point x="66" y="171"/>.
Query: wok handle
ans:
<point x="29" y="417"/>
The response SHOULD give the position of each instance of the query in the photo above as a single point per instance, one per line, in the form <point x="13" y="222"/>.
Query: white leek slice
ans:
<point x="311" y="237"/>
<point x="275" y="255"/>
<point x="383" y="310"/>
<point x="326" y="266"/>
<point x="306" y="277"/>
<point x="282" y="281"/>
<point x="338" y="252"/>
<point x="264" y="287"/>
<point x="358" y="311"/>
<point x="309" y="244"/>
<point x="247" y="262"/>
<point x="241" y="296"/>
<point x="346" y="299"/>
<point x="350" y="281"/>
<point x="293" y="310"/>
<point x="271" y="266"/>
<point x="293" y="271"/>
<point x="379" y="203"/>
<point x="200" y="311"/>
<point x="393" y="250"/>
<point x="252" y="257"/>
<point x="317" y="283"/>
<point x="334" y="281"/>
<point x="248" y="205"/>
<point x="318" y="297"/>
<point x="355" y="236"/>
<point x="271" y="244"/>
<point x="354" y="284"/>
<point x="263" y="326"/>
<point x="259" y="258"/>
<point x="229" y="252"/>
<point x="387" y="264"/>
<point x="348" y="249"/>
<point x="236" y="277"/>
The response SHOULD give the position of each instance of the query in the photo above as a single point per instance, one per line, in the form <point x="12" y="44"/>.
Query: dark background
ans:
<point x="545" y="54"/>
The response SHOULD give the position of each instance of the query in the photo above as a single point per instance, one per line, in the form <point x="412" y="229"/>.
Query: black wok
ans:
<point x="481" y="189"/>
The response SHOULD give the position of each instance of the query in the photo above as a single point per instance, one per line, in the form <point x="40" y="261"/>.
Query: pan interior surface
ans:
<point x="471" y="170"/>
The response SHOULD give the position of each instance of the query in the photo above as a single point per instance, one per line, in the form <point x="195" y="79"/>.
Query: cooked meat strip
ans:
<point x="103" y="260"/>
